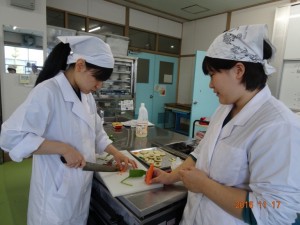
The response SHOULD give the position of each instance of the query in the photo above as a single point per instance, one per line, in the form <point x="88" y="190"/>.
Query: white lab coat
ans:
<point x="258" y="150"/>
<point x="58" y="195"/>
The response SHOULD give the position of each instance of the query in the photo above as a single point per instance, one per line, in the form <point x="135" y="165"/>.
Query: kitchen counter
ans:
<point x="159" y="205"/>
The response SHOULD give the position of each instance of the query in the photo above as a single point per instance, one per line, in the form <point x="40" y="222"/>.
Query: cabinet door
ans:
<point x="156" y="84"/>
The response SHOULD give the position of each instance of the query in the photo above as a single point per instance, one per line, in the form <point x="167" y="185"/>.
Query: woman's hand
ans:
<point x="73" y="157"/>
<point x="123" y="161"/>
<point x="193" y="179"/>
<point x="162" y="177"/>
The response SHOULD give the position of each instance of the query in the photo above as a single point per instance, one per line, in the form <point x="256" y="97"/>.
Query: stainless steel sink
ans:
<point x="115" y="119"/>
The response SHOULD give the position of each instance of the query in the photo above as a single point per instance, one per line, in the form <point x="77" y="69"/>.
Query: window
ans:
<point x="166" y="72"/>
<point x="138" y="39"/>
<point x="143" y="71"/>
<point x="23" y="49"/>
<point x="142" y="39"/>
<point x="55" y="18"/>
<point x="168" y="45"/>
<point x="76" y="22"/>
<point x="98" y="27"/>
<point x="24" y="59"/>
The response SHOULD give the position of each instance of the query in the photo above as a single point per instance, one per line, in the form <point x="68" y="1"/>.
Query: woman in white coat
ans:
<point x="246" y="168"/>
<point x="59" y="118"/>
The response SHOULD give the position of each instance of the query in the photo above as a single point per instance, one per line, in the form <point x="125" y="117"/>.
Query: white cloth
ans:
<point x="257" y="150"/>
<point x="89" y="48"/>
<point x="58" y="195"/>
<point x="244" y="43"/>
<point x="12" y="67"/>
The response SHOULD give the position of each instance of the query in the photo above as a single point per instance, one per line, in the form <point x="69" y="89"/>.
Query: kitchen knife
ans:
<point x="95" y="167"/>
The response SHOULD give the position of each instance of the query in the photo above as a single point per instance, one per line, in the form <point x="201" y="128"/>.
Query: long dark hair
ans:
<point x="57" y="61"/>
<point x="254" y="77"/>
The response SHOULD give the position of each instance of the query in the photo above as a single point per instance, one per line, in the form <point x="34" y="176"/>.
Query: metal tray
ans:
<point x="146" y="154"/>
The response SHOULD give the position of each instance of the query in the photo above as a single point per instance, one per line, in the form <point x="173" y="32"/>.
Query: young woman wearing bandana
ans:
<point x="59" y="118"/>
<point x="246" y="168"/>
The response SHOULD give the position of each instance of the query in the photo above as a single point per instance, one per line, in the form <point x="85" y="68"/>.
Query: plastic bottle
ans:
<point x="141" y="129"/>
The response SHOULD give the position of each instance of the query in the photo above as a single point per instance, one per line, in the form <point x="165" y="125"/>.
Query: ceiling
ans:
<point x="188" y="10"/>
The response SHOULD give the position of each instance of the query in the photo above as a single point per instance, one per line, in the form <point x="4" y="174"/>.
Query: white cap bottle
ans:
<point x="141" y="129"/>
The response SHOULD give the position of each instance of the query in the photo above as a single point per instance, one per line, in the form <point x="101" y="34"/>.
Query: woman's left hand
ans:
<point x="193" y="179"/>
<point x="123" y="161"/>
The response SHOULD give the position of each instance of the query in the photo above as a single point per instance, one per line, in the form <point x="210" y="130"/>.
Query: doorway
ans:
<point x="156" y="84"/>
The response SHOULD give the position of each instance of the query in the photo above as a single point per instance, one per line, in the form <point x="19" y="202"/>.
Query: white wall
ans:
<point x="257" y="15"/>
<point x="153" y="23"/>
<point x="26" y="19"/>
<point x="280" y="29"/>
<point x="263" y="14"/>
<point x="95" y="8"/>
<point x="197" y="35"/>
<point x="14" y="93"/>
<point x="289" y="76"/>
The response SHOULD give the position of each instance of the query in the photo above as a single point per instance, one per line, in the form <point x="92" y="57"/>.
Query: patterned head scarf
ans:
<point x="244" y="43"/>
<point x="89" y="48"/>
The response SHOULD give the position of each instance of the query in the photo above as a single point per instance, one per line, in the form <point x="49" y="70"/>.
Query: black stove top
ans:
<point x="182" y="149"/>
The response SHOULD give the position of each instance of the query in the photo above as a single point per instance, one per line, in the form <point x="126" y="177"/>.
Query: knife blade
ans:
<point x="96" y="167"/>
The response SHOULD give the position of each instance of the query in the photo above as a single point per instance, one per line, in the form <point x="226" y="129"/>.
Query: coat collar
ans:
<point x="246" y="113"/>
<point x="80" y="108"/>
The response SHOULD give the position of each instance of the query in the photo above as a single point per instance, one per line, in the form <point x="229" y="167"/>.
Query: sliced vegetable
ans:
<point x="121" y="168"/>
<point x="136" y="173"/>
<point x="132" y="174"/>
<point x="149" y="174"/>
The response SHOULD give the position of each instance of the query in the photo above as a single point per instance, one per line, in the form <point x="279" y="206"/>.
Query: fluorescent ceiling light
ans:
<point x="94" y="29"/>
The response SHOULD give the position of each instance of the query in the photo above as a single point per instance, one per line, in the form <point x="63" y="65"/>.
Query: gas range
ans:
<point x="182" y="149"/>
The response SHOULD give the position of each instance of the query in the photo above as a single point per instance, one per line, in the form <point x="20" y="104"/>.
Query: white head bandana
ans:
<point x="91" y="49"/>
<point x="244" y="43"/>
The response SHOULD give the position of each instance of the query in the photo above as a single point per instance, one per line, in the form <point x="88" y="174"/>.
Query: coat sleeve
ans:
<point x="274" y="180"/>
<point x="23" y="132"/>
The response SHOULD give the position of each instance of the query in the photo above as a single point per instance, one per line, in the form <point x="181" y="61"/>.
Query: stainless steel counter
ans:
<point x="147" y="202"/>
<point x="156" y="204"/>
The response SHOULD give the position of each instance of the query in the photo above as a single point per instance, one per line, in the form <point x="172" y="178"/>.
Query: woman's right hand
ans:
<point x="73" y="157"/>
<point x="162" y="177"/>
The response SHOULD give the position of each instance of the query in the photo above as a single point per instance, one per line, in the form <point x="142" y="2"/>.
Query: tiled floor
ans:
<point x="14" y="190"/>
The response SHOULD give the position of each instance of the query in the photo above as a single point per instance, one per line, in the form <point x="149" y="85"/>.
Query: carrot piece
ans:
<point x="149" y="174"/>
<point x="121" y="168"/>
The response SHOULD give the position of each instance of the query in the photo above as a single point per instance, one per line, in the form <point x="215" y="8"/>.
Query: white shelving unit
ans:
<point x="116" y="97"/>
